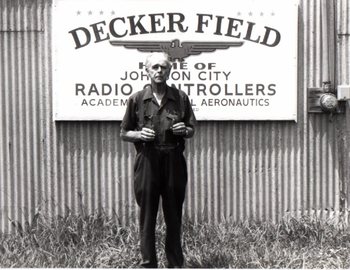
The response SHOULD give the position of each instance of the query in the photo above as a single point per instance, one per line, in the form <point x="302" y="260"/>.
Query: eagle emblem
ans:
<point x="175" y="49"/>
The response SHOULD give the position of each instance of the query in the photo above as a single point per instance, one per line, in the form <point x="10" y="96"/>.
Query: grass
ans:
<point x="97" y="241"/>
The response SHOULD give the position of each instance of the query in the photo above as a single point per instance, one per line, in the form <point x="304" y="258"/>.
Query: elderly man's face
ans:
<point x="158" y="68"/>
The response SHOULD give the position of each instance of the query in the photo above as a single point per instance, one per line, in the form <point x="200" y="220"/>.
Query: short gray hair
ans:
<point x="166" y="56"/>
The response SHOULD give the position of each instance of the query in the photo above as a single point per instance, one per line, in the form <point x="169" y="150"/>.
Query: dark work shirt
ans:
<point x="175" y="107"/>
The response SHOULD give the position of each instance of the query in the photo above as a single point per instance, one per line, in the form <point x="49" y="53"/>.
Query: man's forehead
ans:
<point x="159" y="63"/>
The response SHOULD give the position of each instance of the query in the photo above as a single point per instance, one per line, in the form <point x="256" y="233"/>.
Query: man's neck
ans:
<point x="159" y="88"/>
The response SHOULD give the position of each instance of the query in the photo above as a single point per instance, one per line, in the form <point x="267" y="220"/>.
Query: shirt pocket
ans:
<point x="148" y="121"/>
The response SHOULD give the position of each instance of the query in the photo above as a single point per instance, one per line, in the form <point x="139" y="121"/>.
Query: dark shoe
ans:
<point x="174" y="266"/>
<point x="147" y="264"/>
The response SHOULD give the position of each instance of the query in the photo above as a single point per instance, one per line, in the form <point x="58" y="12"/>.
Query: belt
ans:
<point x="165" y="147"/>
<point x="161" y="146"/>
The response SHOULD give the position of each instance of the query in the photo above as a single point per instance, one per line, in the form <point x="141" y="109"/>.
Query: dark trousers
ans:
<point x="160" y="172"/>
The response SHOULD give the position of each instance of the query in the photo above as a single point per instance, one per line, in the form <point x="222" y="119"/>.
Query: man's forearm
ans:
<point x="130" y="135"/>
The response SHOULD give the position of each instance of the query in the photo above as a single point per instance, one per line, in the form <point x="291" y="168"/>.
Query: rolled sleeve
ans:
<point x="189" y="117"/>
<point x="130" y="117"/>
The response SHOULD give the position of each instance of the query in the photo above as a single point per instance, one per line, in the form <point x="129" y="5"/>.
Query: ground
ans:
<point x="98" y="241"/>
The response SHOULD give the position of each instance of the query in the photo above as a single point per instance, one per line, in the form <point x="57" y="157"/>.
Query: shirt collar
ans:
<point x="148" y="93"/>
<point x="168" y="95"/>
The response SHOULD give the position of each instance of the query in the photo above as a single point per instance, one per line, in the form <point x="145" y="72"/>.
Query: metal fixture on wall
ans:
<point x="324" y="99"/>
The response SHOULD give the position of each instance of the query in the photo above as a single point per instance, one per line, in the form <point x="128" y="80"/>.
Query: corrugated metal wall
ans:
<point x="343" y="68"/>
<point x="238" y="170"/>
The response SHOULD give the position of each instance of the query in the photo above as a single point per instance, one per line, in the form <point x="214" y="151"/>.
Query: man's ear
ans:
<point x="169" y="71"/>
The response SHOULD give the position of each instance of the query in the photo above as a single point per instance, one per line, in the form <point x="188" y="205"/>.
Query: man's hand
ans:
<point x="179" y="129"/>
<point x="147" y="134"/>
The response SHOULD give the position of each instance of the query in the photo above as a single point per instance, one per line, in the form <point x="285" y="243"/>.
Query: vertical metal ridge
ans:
<point x="259" y="169"/>
<point x="303" y="78"/>
<point x="343" y="39"/>
<point x="2" y="135"/>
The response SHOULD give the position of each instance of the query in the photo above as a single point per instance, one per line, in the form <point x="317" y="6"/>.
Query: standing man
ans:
<point x="157" y="120"/>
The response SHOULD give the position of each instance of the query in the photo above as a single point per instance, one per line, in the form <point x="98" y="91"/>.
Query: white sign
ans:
<point x="236" y="59"/>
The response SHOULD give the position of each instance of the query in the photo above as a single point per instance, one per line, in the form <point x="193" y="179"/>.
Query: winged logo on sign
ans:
<point x="175" y="49"/>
